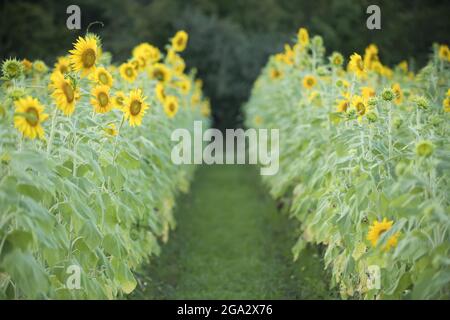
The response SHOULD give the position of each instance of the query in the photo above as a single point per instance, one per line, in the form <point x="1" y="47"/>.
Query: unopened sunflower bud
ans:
<point x="421" y="102"/>
<point x="398" y="123"/>
<point x="12" y="69"/>
<point x="388" y="95"/>
<point x="424" y="148"/>
<point x="372" y="116"/>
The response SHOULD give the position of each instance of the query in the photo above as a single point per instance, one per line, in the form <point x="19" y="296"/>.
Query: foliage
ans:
<point x="94" y="192"/>
<point x="364" y="156"/>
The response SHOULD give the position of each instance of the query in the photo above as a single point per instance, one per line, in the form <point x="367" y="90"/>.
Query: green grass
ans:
<point x="232" y="243"/>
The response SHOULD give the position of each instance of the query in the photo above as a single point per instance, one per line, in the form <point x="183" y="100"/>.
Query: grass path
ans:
<point x="232" y="243"/>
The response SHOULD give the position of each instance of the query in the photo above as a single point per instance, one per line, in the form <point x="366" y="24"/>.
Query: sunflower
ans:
<point x="356" y="65"/>
<point x="179" y="41"/>
<point x="370" y="56"/>
<point x="303" y="37"/>
<point x="146" y="53"/>
<point x="176" y="61"/>
<point x="360" y="105"/>
<point x="135" y="107"/>
<point x="85" y="55"/>
<point x="64" y="93"/>
<point x="377" y="229"/>
<point x="309" y="82"/>
<point x="184" y="85"/>
<point x="28" y="117"/>
<point x="444" y="52"/>
<point x="275" y="74"/>
<point x="12" y="69"/>
<point x="101" y="100"/>
<point x="39" y="66"/>
<point x="119" y="100"/>
<point x="27" y="65"/>
<point x="367" y="92"/>
<point x="63" y="65"/>
<point x="111" y="130"/>
<point x="206" y="108"/>
<point x="403" y="66"/>
<point x="398" y="93"/>
<point x="128" y="72"/>
<point x="160" y="92"/>
<point x="446" y="104"/>
<point x="342" y="106"/>
<point x="102" y="77"/>
<point x="160" y="73"/>
<point x="171" y="106"/>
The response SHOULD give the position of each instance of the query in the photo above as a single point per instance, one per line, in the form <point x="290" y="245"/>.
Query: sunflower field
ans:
<point x="364" y="164"/>
<point x="85" y="172"/>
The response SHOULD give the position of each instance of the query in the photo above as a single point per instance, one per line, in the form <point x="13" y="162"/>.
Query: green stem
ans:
<point x="52" y="131"/>
<point x="117" y="139"/>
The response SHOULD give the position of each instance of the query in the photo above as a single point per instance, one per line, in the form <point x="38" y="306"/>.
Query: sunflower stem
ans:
<point x="52" y="131"/>
<point x="117" y="139"/>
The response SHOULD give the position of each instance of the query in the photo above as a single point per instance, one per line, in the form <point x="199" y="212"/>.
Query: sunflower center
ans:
<point x="63" y="69"/>
<point x="32" y="116"/>
<point x="129" y="72"/>
<point x="171" y="107"/>
<point x="103" y="99"/>
<point x="158" y="74"/>
<point x="310" y="82"/>
<point x="88" y="58"/>
<point x="103" y="78"/>
<point x="361" y="108"/>
<point x="119" y="101"/>
<point x="135" y="107"/>
<point x="68" y="92"/>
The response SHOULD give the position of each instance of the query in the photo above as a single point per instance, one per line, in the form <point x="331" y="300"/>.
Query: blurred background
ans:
<point x="230" y="40"/>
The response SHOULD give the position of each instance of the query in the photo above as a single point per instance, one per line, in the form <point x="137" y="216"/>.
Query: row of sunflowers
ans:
<point x="364" y="164"/>
<point x="87" y="186"/>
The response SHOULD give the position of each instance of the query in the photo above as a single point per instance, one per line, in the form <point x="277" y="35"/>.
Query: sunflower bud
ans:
<point x="398" y="123"/>
<point x="421" y="102"/>
<point x="388" y="95"/>
<point x="400" y="169"/>
<point x="336" y="59"/>
<point x="424" y="148"/>
<point x="372" y="116"/>
<point x="12" y="69"/>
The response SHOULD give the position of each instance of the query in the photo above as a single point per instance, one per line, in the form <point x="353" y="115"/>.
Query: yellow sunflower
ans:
<point x="111" y="130"/>
<point x="179" y="41"/>
<point x="206" y="108"/>
<point x="28" y="117"/>
<point x="377" y="229"/>
<point x="160" y="92"/>
<point x="85" y="55"/>
<point x="444" y="52"/>
<point x="184" y="85"/>
<point x="135" y="107"/>
<point x="64" y="93"/>
<point x="27" y="65"/>
<point x="128" y="72"/>
<point x="303" y="37"/>
<point x="360" y="105"/>
<point x="309" y="82"/>
<point x="398" y="93"/>
<point x="446" y="104"/>
<point x="171" y="106"/>
<point x="101" y="100"/>
<point x="367" y="92"/>
<point x="275" y="73"/>
<point x="119" y="100"/>
<point x="160" y="73"/>
<point x="147" y="53"/>
<point x="356" y="65"/>
<point x="342" y="106"/>
<point x="102" y="77"/>
<point x="63" y="65"/>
